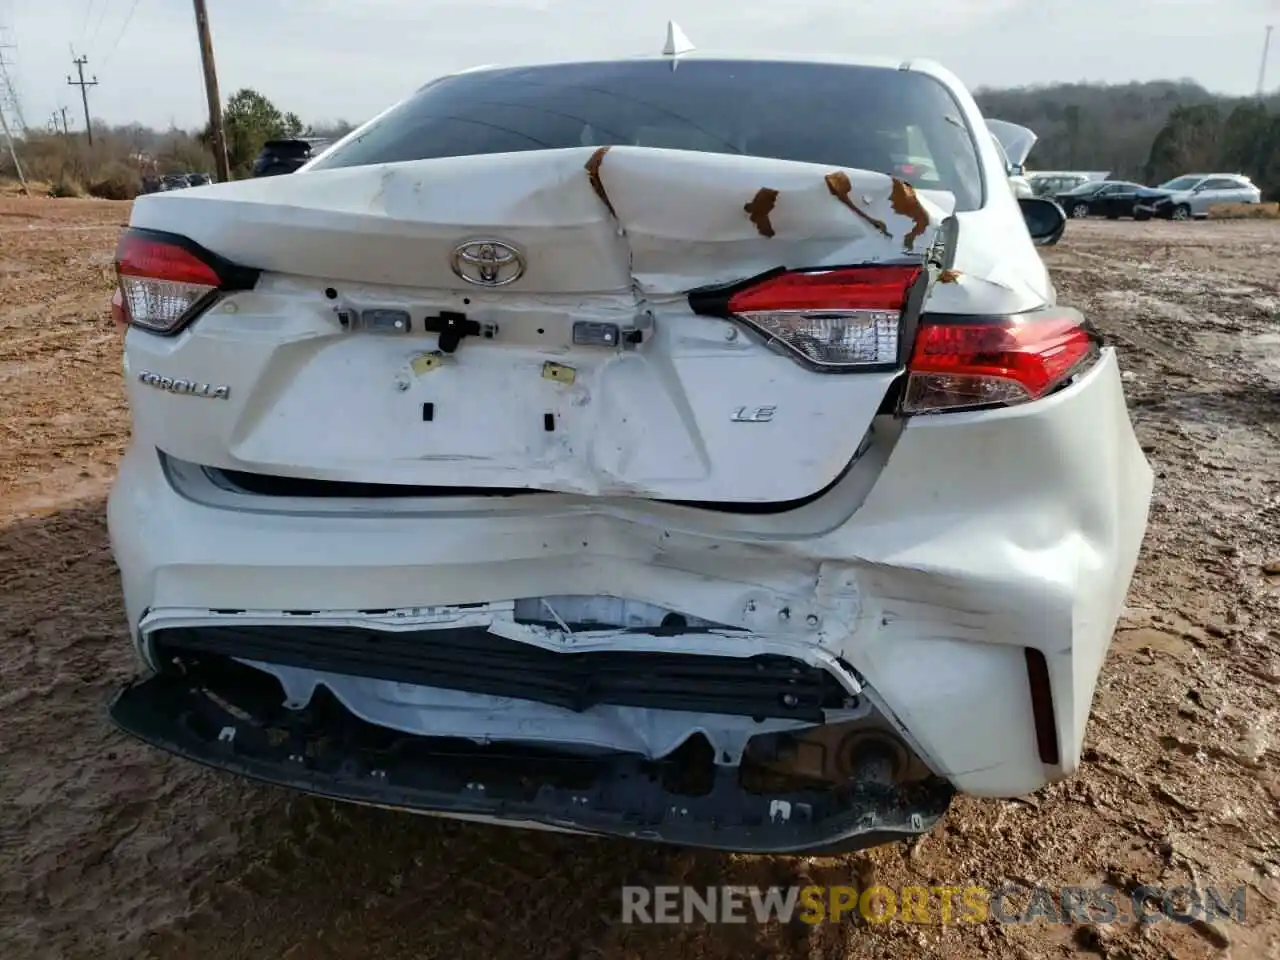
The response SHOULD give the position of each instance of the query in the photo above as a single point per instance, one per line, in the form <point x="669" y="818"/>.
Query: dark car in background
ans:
<point x="1100" y="198"/>
<point x="285" y="156"/>
<point x="199" y="179"/>
<point x="174" y="181"/>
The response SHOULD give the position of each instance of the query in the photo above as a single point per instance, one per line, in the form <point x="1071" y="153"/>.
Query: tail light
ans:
<point x="119" y="312"/>
<point x="838" y="319"/>
<point x="968" y="362"/>
<point x="166" y="280"/>
<point x="867" y="318"/>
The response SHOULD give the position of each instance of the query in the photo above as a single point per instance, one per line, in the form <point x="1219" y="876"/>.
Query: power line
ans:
<point x="102" y="16"/>
<point x="84" y="27"/>
<point x="120" y="35"/>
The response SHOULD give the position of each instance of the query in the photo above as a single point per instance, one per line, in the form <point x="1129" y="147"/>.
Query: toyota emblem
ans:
<point x="487" y="263"/>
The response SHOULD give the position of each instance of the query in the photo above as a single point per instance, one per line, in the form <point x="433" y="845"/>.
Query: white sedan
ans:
<point x="626" y="447"/>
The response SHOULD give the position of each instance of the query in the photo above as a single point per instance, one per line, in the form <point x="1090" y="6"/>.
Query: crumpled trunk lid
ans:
<point x="588" y="220"/>
<point x="675" y="406"/>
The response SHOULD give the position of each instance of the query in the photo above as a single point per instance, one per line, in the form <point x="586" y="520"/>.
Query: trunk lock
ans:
<point x="452" y="327"/>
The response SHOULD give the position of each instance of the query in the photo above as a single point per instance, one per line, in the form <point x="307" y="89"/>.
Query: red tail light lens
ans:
<point x="166" y="280"/>
<point x="959" y="363"/>
<point x="838" y="319"/>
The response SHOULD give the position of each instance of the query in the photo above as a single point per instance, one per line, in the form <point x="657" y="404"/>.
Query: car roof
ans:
<point x="918" y="65"/>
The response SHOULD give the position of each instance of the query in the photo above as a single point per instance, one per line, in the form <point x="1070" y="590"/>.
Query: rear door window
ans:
<point x="894" y="122"/>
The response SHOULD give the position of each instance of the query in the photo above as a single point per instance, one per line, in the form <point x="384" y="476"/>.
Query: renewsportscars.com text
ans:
<point x="1009" y="903"/>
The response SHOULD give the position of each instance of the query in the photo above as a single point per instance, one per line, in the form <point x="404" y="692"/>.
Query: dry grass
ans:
<point x="1245" y="211"/>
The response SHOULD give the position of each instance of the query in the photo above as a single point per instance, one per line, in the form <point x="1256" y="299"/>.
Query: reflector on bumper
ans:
<point x="218" y="719"/>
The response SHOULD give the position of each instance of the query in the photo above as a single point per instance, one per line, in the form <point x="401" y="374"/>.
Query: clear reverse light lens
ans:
<point x="846" y="338"/>
<point x="160" y="304"/>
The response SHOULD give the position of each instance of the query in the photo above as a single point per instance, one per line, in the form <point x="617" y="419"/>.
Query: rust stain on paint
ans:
<point x="949" y="276"/>
<point x="759" y="208"/>
<point x="593" y="175"/>
<point x="841" y="188"/>
<point x="904" y="201"/>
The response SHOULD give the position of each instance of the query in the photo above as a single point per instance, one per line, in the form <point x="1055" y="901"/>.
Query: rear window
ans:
<point x="895" y="122"/>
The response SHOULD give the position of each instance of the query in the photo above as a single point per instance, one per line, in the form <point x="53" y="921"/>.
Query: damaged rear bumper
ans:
<point x="230" y="718"/>
<point x="981" y="544"/>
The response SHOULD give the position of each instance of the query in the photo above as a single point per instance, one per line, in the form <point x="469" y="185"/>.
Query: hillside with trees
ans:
<point x="1148" y="132"/>
<point x="1138" y="131"/>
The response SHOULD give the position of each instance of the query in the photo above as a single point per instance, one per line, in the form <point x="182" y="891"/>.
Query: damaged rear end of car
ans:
<point x="655" y="479"/>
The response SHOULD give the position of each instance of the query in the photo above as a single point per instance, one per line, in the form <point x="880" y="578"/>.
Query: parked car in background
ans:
<point x="1049" y="183"/>
<point x="1103" y="198"/>
<point x="778" y="563"/>
<point x="285" y="156"/>
<point x="1192" y="194"/>
<point x="174" y="181"/>
<point x="1052" y="184"/>
<point x="199" y="179"/>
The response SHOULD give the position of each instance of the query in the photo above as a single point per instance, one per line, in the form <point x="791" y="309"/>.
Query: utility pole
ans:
<point x="8" y="92"/>
<point x="13" y="152"/>
<point x="66" y="130"/>
<point x="1262" y="67"/>
<point x="84" y="86"/>
<point x="211" y="92"/>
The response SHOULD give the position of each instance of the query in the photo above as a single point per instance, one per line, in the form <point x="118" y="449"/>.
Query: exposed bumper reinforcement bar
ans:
<point x="213" y="716"/>
<point x="474" y="660"/>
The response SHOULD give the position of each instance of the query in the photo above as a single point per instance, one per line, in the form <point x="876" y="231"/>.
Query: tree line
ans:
<point x="1149" y="132"/>
<point x="121" y="155"/>
<point x="1138" y="131"/>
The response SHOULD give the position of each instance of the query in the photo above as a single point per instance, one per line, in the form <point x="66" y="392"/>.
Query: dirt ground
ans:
<point x="108" y="848"/>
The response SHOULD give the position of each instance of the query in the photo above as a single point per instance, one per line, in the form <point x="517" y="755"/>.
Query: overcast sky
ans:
<point x="326" y="59"/>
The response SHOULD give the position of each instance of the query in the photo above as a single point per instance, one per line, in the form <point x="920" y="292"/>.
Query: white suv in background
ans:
<point x="1191" y="195"/>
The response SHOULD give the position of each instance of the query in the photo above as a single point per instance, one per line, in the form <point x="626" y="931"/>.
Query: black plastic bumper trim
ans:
<point x="219" y="720"/>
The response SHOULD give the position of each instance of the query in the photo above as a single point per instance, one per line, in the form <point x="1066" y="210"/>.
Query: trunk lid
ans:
<point x="698" y="408"/>
<point x="1016" y="141"/>
<point x="587" y="220"/>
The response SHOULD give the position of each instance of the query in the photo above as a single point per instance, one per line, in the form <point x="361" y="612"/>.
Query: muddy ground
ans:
<point x="109" y="849"/>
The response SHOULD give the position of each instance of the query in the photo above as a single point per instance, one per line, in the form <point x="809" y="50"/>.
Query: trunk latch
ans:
<point x="452" y="327"/>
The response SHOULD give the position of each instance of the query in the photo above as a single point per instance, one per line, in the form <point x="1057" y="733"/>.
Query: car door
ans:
<point x="1123" y="198"/>
<point x="1241" y="192"/>
<point x="1211" y="192"/>
<point x="1103" y="202"/>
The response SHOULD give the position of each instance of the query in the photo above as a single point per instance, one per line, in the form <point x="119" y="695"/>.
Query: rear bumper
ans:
<point x="984" y="535"/>
<point x="328" y="752"/>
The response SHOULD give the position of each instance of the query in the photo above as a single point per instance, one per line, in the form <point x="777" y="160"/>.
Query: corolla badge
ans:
<point x="190" y="388"/>
<point x="487" y="263"/>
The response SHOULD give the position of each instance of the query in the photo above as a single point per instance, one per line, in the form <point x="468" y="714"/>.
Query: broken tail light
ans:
<point x="973" y="362"/>
<point x="166" y="280"/>
<point x="833" y="319"/>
